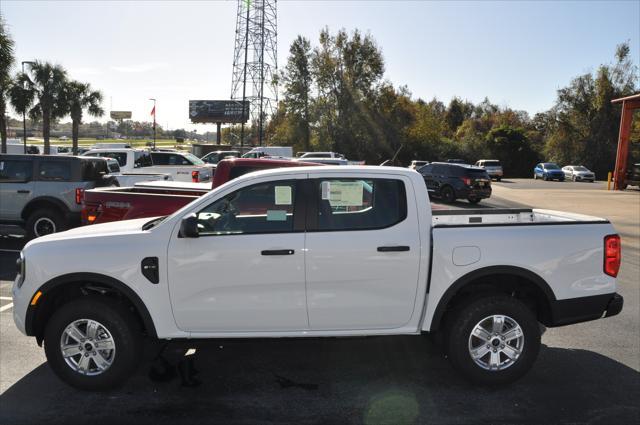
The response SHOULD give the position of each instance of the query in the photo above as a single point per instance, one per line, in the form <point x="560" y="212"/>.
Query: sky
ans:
<point x="518" y="54"/>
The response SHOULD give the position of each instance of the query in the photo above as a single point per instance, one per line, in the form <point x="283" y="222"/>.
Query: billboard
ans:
<point x="213" y="111"/>
<point x="120" y="115"/>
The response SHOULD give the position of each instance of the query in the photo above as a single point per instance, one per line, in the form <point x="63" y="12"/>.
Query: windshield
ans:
<point x="550" y="166"/>
<point x="492" y="163"/>
<point x="580" y="168"/>
<point x="194" y="159"/>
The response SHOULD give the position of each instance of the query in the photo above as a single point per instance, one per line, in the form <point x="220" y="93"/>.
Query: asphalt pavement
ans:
<point x="586" y="373"/>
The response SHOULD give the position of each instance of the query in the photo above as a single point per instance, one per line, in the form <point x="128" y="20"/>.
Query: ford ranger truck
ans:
<point x="316" y="252"/>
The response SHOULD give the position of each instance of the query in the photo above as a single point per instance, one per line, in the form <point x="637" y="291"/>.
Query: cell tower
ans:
<point x="255" y="61"/>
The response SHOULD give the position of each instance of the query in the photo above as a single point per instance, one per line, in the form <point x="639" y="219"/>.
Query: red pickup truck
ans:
<point x="163" y="198"/>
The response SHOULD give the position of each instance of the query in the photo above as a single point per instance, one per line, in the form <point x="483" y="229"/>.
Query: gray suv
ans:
<point x="43" y="194"/>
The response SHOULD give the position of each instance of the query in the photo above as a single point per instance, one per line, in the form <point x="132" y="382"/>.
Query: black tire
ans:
<point x="41" y="221"/>
<point x="463" y="321"/>
<point x="475" y="201"/>
<point x="448" y="194"/>
<point x="544" y="177"/>
<point x="498" y="178"/>
<point x="124" y="330"/>
<point x="573" y="178"/>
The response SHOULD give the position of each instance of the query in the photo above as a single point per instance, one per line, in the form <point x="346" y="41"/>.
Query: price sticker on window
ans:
<point x="343" y="194"/>
<point x="283" y="195"/>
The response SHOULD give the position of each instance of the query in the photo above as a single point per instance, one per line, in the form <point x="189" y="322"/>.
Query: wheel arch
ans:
<point x="41" y="202"/>
<point x="500" y="278"/>
<point x="58" y="290"/>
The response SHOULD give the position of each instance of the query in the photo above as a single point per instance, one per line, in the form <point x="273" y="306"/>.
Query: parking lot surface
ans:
<point x="586" y="373"/>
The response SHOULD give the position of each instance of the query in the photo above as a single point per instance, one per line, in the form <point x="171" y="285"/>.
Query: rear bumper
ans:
<point x="467" y="193"/>
<point x="576" y="310"/>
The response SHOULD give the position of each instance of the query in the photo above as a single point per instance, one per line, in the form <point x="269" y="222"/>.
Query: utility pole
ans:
<point x="153" y="112"/>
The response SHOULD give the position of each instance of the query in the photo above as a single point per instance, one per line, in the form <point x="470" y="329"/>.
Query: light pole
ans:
<point x="24" y="112"/>
<point x="153" y="112"/>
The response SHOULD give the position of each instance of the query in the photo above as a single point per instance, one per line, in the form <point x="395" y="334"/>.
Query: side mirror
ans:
<point x="189" y="227"/>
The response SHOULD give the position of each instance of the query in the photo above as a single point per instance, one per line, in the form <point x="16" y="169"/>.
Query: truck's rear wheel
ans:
<point x="493" y="340"/>
<point x="93" y="343"/>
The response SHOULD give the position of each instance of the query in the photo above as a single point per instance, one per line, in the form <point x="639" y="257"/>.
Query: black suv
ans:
<point x="452" y="181"/>
<point x="43" y="193"/>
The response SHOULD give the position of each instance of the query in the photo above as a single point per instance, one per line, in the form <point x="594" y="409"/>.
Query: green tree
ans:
<point x="511" y="146"/>
<point x="44" y="93"/>
<point x="6" y="62"/>
<point x="80" y="97"/>
<point x="297" y="90"/>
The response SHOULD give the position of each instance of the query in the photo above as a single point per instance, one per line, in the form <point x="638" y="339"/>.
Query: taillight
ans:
<point x="79" y="195"/>
<point x="612" y="255"/>
<point x="195" y="176"/>
<point x="466" y="180"/>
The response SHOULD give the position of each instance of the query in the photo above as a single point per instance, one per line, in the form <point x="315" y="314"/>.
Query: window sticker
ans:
<point x="325" y="189"/>
<point x="1" y="165"/>
<point x="276" y="215"/>
<point x="346" y="194"/>
<point x="283" y="195"/>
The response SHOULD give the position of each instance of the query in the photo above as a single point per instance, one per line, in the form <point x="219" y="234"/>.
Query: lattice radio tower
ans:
<point x="255" y="61"/>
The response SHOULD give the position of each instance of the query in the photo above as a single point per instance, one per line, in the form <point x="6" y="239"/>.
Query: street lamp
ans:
<point x="24" y="115"/>
<point x="153" y="112"/>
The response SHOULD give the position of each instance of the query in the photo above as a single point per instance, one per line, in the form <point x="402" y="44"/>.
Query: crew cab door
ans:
<point x="245" y="271"/>
<point x="362" y="253"/>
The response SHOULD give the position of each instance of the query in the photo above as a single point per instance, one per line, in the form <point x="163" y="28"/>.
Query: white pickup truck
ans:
<point x="316" y="252"/>
<point x="181" y="166"/>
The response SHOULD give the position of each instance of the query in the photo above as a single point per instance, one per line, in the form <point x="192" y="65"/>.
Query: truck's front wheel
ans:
<point x="493" y="340"/>
<point x="92" y="343"/>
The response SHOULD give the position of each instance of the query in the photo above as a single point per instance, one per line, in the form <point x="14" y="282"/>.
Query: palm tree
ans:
<point x="47" y="88"/>
<point x="80" y="97"/>
<point x="6" y="62"/>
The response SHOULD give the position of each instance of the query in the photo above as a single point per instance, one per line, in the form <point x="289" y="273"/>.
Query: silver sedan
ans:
<point x="578" y="173"/>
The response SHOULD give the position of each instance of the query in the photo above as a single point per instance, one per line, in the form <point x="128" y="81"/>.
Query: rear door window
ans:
<point x="355" y="204"/>
<point x="54" y="171"/>
<point x="142" y="159"/>
<point x="15" y="171"/>
<point x="121" y="157"/>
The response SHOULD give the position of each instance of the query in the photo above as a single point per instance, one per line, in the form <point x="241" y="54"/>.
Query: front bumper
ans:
<point x="583" y="309"/>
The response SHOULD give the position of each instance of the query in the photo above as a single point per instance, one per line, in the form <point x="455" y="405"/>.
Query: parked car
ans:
<point x="453" y="181"/>
<point x="273" y="151"/>
<point x="493" y="167"/>
<point x="315" y="155"/>
<point x="43" y="194"/>
<point x="216" y="156"/>
<point x="578" y="173"/>
<point x="548" y="171"/>
<point x="129" y="179"/>
<point x="181" y="166"/>
<point x="316" y="252"/>
<point x="415" y="164"/>
<point x="633" y="176"/>
<point x="152" y="199"/>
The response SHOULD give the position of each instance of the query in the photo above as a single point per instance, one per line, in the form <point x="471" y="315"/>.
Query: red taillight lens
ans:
<point x="79" y="195"/>
<point x="195" y="176"/>
<point x="612" y="255"/>
<point x="466" y="180"/>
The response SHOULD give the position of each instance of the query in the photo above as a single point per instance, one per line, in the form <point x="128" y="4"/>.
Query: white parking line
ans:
<point x="6" y="298"/>
<point x="6" y="307"/>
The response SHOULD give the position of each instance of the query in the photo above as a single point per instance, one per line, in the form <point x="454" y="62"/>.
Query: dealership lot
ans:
<point x="585" y="373"/>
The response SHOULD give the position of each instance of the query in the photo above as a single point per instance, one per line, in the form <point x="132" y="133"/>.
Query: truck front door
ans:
<point x="245" y="271"/>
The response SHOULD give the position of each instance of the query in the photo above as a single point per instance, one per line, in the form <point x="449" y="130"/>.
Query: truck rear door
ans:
<point x="362" y="253"/>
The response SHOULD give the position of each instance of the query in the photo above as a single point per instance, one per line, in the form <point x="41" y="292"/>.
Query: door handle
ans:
<point x="277" y="252"/>
<point x="399" y="248"/>
<point x="24" y="191"/>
